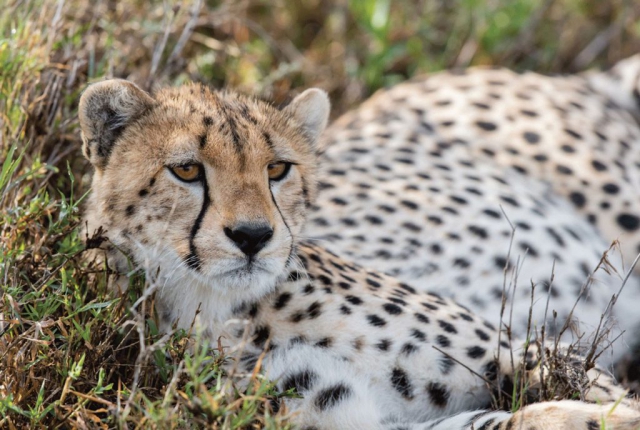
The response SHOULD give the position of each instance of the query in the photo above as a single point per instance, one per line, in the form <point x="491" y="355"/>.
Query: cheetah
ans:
<point x="480" y="183"/>
<point x="208" y="192"/>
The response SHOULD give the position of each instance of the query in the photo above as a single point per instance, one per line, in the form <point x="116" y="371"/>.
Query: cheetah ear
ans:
<point x="311" y="110"/>
<point x="106" y="109"/>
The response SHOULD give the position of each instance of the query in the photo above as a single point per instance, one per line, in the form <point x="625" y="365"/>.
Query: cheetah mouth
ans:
<point x="245" y="268"/>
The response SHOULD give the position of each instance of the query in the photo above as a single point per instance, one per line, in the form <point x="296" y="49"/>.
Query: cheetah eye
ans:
<point x="277" y="171"/>
<point x="187" y="172"/>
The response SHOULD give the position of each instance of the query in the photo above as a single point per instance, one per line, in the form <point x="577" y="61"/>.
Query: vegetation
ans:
<point x="71" y="355"/>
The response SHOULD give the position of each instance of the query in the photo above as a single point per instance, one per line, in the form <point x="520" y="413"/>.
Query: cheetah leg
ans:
<point x="565" y="414"/>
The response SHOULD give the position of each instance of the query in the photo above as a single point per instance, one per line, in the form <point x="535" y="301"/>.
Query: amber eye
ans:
<point x="278" y="171"/>
<point x="187" y="172"/>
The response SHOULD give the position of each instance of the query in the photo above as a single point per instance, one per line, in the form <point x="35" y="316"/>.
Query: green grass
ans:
<point x="70" y="353"/>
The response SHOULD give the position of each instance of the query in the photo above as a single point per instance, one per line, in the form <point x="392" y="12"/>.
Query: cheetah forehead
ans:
<point x="116" y="114"/>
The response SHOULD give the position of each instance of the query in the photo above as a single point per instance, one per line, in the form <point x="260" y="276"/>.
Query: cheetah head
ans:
<point x="207" y="186"/>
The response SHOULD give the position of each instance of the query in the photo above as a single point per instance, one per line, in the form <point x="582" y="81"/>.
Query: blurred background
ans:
<point x="64" y="360"/>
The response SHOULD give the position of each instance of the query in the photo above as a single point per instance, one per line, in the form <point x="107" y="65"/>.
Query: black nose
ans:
<point x="250" y="238"/>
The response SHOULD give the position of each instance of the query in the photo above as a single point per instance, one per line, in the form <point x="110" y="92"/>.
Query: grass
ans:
<point x="72" y="355"/>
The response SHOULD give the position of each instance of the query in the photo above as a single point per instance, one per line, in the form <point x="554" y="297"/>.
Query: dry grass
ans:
<point x="73" y="356"/>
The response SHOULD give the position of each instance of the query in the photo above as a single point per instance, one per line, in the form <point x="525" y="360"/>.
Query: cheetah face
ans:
<point x="209" y="186"/>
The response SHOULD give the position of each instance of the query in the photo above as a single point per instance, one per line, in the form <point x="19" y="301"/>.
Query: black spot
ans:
<point x="412" y="227"/>
<point x="324" y="342"/>
<point x="485" y="125"/>
<point x="611" y="188"/>
<point x="430" y="306"/>
<point x="420" y="335"/>
<point x="130" y="210"/>
<point x="143" y="192"/>
<point x="400" y="381"/>
<point x="628" y="222"/>
<point x="249" y="361"/>
<point x="564" y="169"/>
<point x="481" y="105"/>
<point x="407" y="288"/>
<point x="344" y="285"/>
<point x="525" y="246"/>
<point x="510" y="200"/>
<point x="383" y="345"/>
<point x="297" y="317"/>
<point x="573" y="133"/>
<point x="531" y="137"/>
<point x="409" y="348"/>
<point x="436" y="248"/>
<point x="465" y="317"/>
<point x="438" y="393"/>
<point x="314" y="310"/>
<point x="434" y="219"/>
<point x="482" y="335"/>
<point x="478" y="231"/>
<point x="202" y="140"/>
<point x="261" y="335"/>
<point x="459" y="200"/>
<point x="308" y="289"/>
<point x="461" y="262"/>
<point x="353" y="300"/>
<point x="447" y="326"/>
<point x="598" y="166"/>
<point x="345" y="310"/>
<point x="443" y="341"/>
<point x="491" y="370"/>
<point x="422" y="318"/>
<point x="329" y="397"/>
<point x="476" y="352"/>
<point x="593" y="425"/>
<point x="492" y="213"/>
<point x="373" y="283"/>
<point x="445" y="364"/>
<point x="339" y="201"/>
<point x="392" y="309"/>
<point x="578" y="199"/>
<point x="325" y="280"/>
<point x="301" y="381"/>
<point x="282" y="300"/>
<point x="376" y="321"/>
<point x="409" y="204"/>
<point x="556" y="236"/>
<point x="397" y="301"/>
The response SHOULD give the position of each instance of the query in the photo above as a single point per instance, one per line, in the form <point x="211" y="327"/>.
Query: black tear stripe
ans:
<point x="291" y="245"/>
<point x="192" y="260"/>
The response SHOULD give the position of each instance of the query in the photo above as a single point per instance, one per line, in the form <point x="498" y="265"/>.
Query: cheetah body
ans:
<point x="183" y="184"/>
<point x="470" y="184"/>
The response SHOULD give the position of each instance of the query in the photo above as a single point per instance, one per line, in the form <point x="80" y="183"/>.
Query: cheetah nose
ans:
<point x="250" y="238"/>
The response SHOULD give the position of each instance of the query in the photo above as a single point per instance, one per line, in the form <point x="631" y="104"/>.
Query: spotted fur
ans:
<point x="429" y="181"/>
<point x="364" y="349"/>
